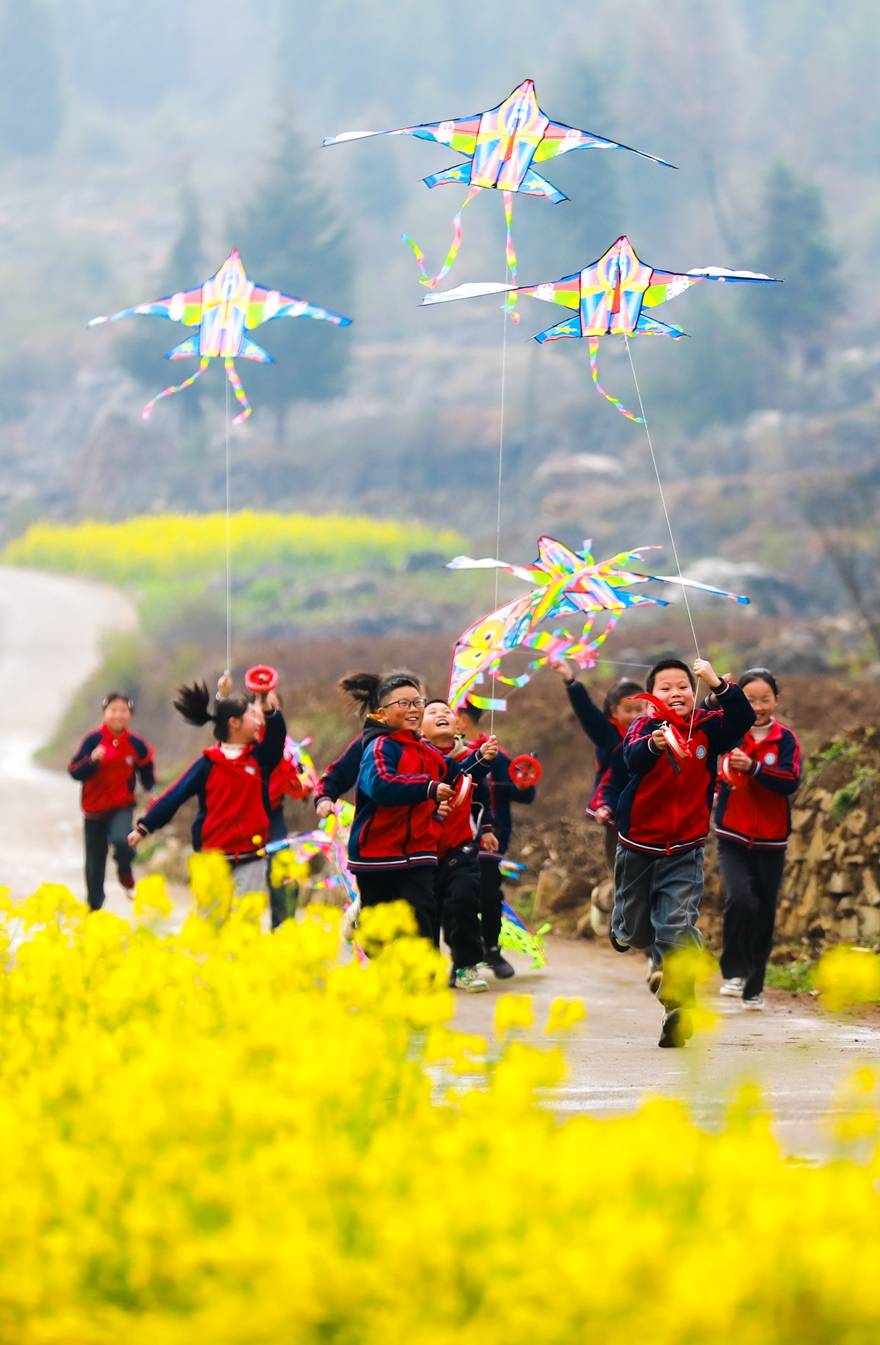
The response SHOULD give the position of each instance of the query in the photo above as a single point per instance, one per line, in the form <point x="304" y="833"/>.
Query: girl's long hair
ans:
<point x="367" y="691"/>
<point x="197" y="706"/>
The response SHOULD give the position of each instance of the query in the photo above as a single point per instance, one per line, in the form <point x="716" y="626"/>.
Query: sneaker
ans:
<point x="498" y="964"/>
<point x="733" y="987"/>
<point x="127" y="883"/>
<point x="350" y="920"/>
<point x="655" y="980"/>
<point x="756" y="1002"/>
<point x="677" y="1028"/>
<point x="468" y="978"/>
<point x="616" y="944"/>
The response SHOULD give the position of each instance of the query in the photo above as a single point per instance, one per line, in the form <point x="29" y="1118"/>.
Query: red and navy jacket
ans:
<point x="660" y="812"/>
<point x="756" y="810"/>
<point x="503" y="792"/>
<point x="395" y="811"/>
<point x="233" y="795"/>
<point x="464" y="824"/>
<point x="607" y="737"/>
<point x="110" y="783"/>
<point x="341" y="775"/>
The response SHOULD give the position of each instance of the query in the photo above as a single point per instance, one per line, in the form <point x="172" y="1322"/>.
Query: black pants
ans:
<point x="752" y="879"/>
<point x="282" y="899"/>
<point x="416" y="884"/>
<point x="491" y="897"/>
<point x="100" y="833"/>
<point x="458" y="900"/>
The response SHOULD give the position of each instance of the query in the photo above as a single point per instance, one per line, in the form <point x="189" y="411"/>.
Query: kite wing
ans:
<point x="263" y="305"/>
<point x="560" y="139"/>
<point x="565" y="291"/>
<point x="458" y="134"/>
<point x="185" y="307"/>
<point x="666" y="285"/>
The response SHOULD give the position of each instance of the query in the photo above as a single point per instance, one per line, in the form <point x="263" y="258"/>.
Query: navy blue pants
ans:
<point x="752" y="879"/>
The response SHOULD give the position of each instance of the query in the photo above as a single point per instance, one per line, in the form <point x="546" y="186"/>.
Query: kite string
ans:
<point x="228" y="540"/>
<point x="500" y="480"/>
<point x="666" y="513"/>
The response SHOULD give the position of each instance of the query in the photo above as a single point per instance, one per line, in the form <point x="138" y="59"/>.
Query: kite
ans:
<point x="562" y="581"/>
<point x="223" y="308"/>
<point x="501" y="147"/>
<point x="610" y="296"/>
<point x="515" y="934"/>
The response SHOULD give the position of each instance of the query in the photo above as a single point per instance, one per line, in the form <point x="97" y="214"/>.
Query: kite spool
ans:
<point x="261" y="679"/>
<point x="675" y="743"/>
<point x="462" y="791"/>
<point x="525" y="771"/>
<point x="727" y="773"/>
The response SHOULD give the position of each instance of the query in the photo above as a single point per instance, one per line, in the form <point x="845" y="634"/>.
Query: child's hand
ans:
<point x="658" y="740"/>
<point x="99" y="753"/>
<point x="489" y="749"/>
<point x="134" y="839"/>
<point x="561" y="668"/>
<point x="324" y="807"/>
<point x="444" y="809"/>
<point x="740" y="760"/>
<point x="703" y="669"/>
<point x="270" y="701"/>
<point x="489" y="843"/>
<point x="224" y="685"/>
<point x="444" y="792"/>
<point x="603" y="816"/>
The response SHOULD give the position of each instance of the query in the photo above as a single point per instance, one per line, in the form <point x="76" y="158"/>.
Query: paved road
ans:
<point x="798" y="1055"/>
<point x="50" y="634"/>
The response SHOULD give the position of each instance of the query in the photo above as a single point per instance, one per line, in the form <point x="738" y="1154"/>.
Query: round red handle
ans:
<point x="261" y="678"/>
<point x="525" y="771"/>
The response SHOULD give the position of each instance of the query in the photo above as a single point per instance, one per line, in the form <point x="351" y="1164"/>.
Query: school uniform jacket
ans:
<point x="109" y="784"/>
<point x="607" y="737"/>
<point x="233" y="795"/>
<point x="341" y="775"/>
<point x="471" y="820"/>
<point x="503" y="792"/>
<point x="660" y="812"/>
<point x="756" y="811"/>
<point x="395" y="812"/>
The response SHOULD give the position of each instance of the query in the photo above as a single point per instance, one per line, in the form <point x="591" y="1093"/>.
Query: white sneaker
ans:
<point x="468" y="978"/>
<point x="350" y="919"/>
<point x="733" y="987"/>
<point x="756" y="1002"/>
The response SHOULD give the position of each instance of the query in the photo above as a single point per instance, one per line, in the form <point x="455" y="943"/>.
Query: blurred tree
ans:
<point x="794" y="245"/>
<point x="126" y="54"/>
<point x="292" y="236"/>
<point x="140" y="349"/>
<point x="31" y="111"/>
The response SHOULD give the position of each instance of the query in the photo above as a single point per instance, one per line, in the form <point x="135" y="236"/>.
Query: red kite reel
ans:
<point x="261" y="679"/>
<point x="525" y="771"/>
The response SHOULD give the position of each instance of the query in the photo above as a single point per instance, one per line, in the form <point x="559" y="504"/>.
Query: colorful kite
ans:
<point x="501" y="147"/>
<point x="222" y="309"/>
<point x="563" y="581"/>
<point x="515" y="934"/>
<point x="610" y="297"/>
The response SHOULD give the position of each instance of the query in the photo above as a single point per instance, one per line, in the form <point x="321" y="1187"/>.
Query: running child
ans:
<point x="503" y="793"/>
<point x="465" y="828"/>
<point x="606" y="730"/>
<point x="108" y="762"/>
<point x="752" y="823"/>
<point x="230" y="781"/>
<point x="663" y="818"/>
<point x="402" y="779"/>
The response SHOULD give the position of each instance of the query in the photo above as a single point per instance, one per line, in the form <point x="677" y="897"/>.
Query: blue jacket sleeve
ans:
<point x="341" y="775"/>
<point x="81" y="765"/>
<point x="482" y="807"/>
<point x="595" y="724"/>
<point x="731" y="722"/>
<point x="379" y="780"/>
<point x="784" y="777"/>
<point x="270" y="750"/>
<point x="187" y="787"/>
<point x="500" y="772"/>
<point x="638" y="756"/>
<point x="144" y="765"/>
<point x="473" y="764"/>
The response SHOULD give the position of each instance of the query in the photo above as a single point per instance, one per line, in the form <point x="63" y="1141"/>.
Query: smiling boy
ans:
<point x="663" y="819"/>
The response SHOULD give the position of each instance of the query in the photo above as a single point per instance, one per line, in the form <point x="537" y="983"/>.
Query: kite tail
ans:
<point x="487" y="702"/>
<point x="240" y="394"/>
<point x="510" y="257"/>
<point x="433" y="281"/>
<point x="176" y="387"/>
<point x="615" y="402"/>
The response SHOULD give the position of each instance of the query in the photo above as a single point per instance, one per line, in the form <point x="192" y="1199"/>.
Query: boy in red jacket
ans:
<point x="108" y="762"/>
<point x="663" y="817"/>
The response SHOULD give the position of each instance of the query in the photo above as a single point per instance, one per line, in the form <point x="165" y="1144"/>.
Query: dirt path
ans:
<point x="797" y="1055"/>
<point x="50" y="633"/>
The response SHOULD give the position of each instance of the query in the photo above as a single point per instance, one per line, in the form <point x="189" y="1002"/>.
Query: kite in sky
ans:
<point x="563" y="581"/>
<point x="223" y="308"/>
<point x="609" y="298"/>
<point x="501" y="148"/>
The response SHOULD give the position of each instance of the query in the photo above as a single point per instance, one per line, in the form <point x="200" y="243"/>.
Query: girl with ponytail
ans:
<point x="230" y="780"/>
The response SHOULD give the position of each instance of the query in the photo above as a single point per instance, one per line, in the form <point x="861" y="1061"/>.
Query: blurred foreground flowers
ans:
<point x="222" y="1136"/>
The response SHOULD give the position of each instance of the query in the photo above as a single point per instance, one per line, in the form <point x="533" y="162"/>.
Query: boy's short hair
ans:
<point x="437" y="700"/>
<point x="662" y="665"/>
<point x="472" y="711"/>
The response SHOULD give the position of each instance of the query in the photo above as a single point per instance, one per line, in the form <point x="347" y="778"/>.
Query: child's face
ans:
<point x="672" y="686"/>
<point x="117" y="716"/>
<point x="403" y="709"/>
<point x="762" y="698"/>
<point x="438" y="725"/>
<point x="249" y="727"/>
<point x="466" y="726"/>
<point x="628" y="710"/>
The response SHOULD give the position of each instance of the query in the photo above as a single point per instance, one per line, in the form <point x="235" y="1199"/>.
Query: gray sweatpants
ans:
<point x="657" y="899"/>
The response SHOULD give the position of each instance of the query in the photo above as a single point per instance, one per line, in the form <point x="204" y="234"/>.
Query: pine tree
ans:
<point x="293" y="238"/>
<point x="31" y="110"/>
